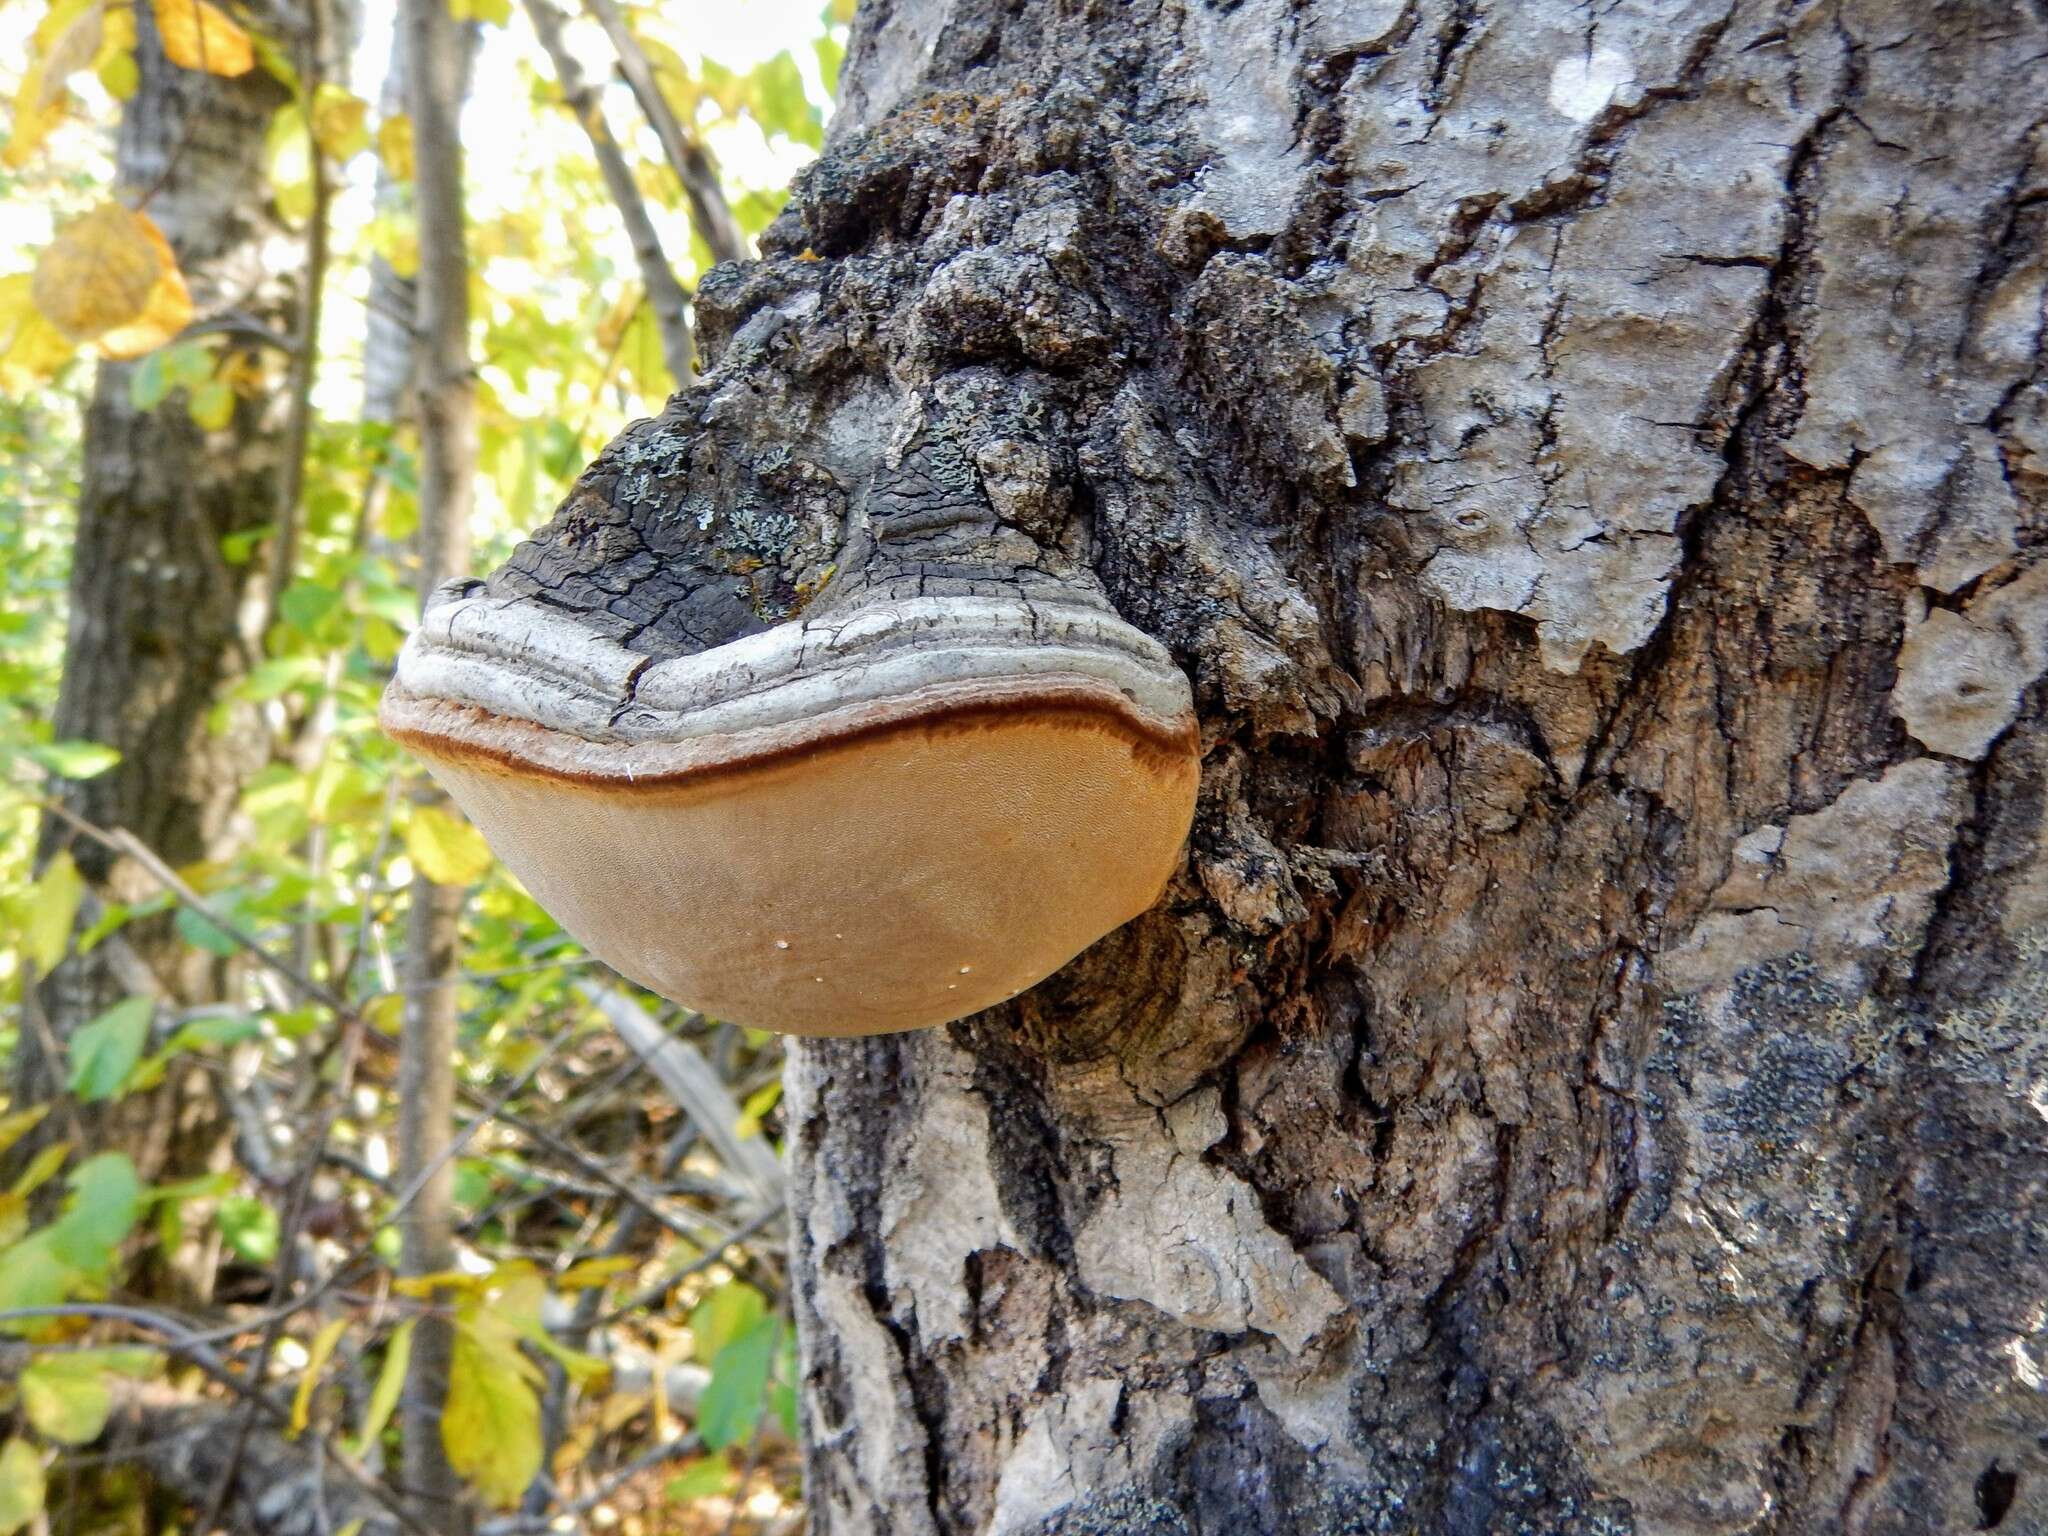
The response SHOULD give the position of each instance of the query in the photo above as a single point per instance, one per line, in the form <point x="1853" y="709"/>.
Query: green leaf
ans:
<point x="831" y="58"/>
<point x="22" y="1489"/>
<point x="726" y="1312"/>
<point x="224" y="1030"/>
<point x="490" y="1426"/>
<point x="734" y="1398"/>
<point x="305" y="603"/>
<point x="66" y="1398"/>
<point x="782" y="1396"/>
<point x="105" y="1051"/>
<point x="288" y="151"/>
<point x="106" y="1199"/>
<point x="446" y="850"/>
<point x="73" y="759"/>
<point x="390" y="1382"/>
<point x="779" y="104"/>
<point x="53" y="907"/>
<point x="202" y="932"/>
<point x="150" y="382"/>
<point x="249" y="1227"/>
<point x="237" y="547"/>
<point x="31" y="1275"/>
<point x="113" y="915"/>
<point x="188" y="364"/>
<point x="701" y="1477"/>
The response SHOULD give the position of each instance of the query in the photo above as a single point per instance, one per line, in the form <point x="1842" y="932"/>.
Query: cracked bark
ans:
<point x="1585" y="1076"/>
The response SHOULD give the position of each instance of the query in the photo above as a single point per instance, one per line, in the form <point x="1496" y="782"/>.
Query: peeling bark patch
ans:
<point x="1582" y="85"/>
<point x="1849" y="885"/>
<point x="1962" y="674"/>
<point x="940" y="1205"/>
<point x="1188" y="1237"/>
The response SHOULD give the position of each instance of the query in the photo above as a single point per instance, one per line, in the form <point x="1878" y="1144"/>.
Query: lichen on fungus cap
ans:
<point x="888" y="813"/>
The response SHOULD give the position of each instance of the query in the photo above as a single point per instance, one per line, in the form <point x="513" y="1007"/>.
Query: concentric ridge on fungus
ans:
<point x="885" y="816"/>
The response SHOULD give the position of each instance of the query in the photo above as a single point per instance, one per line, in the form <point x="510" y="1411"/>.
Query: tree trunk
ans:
<point x="436" y="59"/>
<point x="1587" y="1076"/>
<point x="160" y="619"/>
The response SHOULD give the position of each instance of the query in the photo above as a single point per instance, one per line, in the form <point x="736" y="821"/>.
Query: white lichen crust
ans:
<point x="514" y="677"/>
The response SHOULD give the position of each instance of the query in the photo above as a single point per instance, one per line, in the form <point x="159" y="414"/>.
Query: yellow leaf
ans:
<point x="397" y="239"/>
<point x="17" y="1125"/>
<point x="385" y="1013"/>
<point x="40" y="1167"/>
<point x="338" y="122"/>
<point x="168" y="312"/>
<point x="115" y="62"/>
<point x="21" y="1486"/>
<point x="448" y="851"/>
<point x="31" y="349"/>
<point x="288" y="154"/>
<point x="394" y="146"/>
<point x="212" y="405"/>
<point x="390" y="1382"/>
<point x="120" y="75"/>
<point x="457" y="1280"/>
<point x="53" y="904"/>
<point x="65" y="41"/>
<point x="197" y="35"/>
<point x="76" y="46"/>
<point x="100" y="271"/>
<point x="13" y="1218"/>
<point x="594" y="1272"/>
<point x="66" y="1398"/>
<point x="316" y="1362"/>
<point x="490" y="1427"/>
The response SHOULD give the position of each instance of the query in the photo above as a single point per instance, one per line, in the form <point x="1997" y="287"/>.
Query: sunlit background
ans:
<point x="594" y="1208"/>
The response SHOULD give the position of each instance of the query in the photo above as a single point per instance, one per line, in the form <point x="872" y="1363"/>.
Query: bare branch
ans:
<point x="665" y="295"/>
<point x="710" y="214"/>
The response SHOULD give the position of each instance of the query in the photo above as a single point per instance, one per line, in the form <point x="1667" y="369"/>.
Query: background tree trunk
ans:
<point x="161" y="621"/>
<point x="435" y="57"/>
<point x="1588" y="1076"/>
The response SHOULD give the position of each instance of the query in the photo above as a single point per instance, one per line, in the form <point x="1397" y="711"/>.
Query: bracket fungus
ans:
<point x="907" y="801"/>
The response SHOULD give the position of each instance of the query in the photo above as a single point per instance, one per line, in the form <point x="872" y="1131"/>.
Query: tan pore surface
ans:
<point x="903" y="879"/>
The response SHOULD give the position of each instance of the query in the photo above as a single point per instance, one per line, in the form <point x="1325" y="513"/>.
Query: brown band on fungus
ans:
<point x="474" y="736"/>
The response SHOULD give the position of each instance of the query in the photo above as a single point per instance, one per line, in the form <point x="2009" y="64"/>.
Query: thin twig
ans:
<point x="657" y="1295"/>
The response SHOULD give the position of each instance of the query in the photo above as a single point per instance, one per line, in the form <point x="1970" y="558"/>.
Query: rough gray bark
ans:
<point x="1587" y="1076"/>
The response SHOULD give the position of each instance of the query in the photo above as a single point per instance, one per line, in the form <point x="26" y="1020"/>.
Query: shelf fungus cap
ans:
<point x="877" y="819"/>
